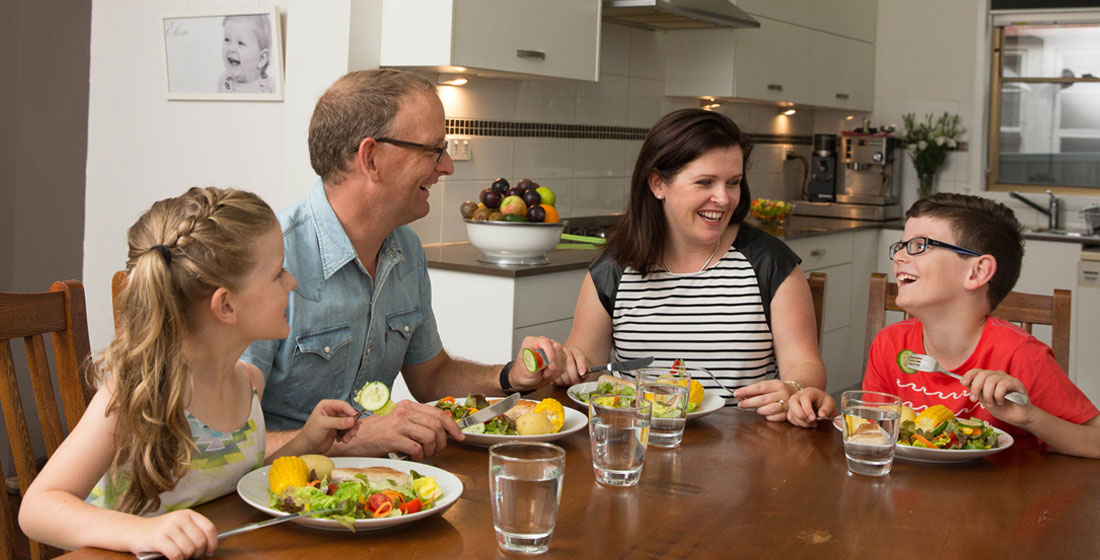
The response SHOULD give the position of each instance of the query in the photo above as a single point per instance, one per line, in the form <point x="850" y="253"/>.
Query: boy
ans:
<point x="960" y="255"/>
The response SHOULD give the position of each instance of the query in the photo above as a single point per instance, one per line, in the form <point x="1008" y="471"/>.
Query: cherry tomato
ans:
<point x="378" y="500"/>
<point x="331" y="488"/>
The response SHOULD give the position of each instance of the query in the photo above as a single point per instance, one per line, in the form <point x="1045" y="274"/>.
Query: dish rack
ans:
<point x="1092" y="218"/>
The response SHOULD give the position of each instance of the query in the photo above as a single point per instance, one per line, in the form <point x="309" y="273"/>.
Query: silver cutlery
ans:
<point x="627" y="365"/>
<point x="490" y="412"/>
<point x="253" y="527"/>
<point x="925" y="363"/>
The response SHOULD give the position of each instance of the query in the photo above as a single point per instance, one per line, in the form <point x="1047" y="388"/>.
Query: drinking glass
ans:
<point x="871" y="423"/>
<point x="668" y="391"/>
<point x="525" y="488"/>
<point x="619" y="431"/>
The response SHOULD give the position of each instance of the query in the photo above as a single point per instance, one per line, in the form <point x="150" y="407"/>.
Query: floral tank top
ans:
<point x="222" y="458"/>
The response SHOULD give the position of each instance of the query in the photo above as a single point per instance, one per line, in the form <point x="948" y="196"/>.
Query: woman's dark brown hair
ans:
<point x="676" y="140"/>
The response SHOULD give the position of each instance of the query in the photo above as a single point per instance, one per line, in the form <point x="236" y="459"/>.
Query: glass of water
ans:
<point x="668" y="391"/>
<point x="871" y="423"/>
<point x="525" y="488"/>
<point x="618" y="427"/>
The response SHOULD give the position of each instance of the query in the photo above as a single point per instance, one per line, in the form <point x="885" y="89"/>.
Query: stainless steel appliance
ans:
<point x="823" y="169"/>
<point x="867" y="181"/>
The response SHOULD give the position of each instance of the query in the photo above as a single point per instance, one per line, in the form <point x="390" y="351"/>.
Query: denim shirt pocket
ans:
<point x="405" y="322"/>
<point x="326" y="342"/>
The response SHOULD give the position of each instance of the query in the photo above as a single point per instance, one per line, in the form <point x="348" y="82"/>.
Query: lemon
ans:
<point x="553" y="411"/>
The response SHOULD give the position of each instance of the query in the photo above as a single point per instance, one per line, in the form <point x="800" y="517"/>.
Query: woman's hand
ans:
<point x="769" y="398"/>
<point x="809" y="405"/>
<point x="176" y="535"/>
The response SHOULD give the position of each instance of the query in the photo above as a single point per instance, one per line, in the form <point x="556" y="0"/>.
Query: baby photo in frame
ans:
<point x="223" y="55"/>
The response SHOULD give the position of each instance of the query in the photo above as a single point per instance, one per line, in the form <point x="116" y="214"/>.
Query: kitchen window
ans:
<point x="1045" y="102"/>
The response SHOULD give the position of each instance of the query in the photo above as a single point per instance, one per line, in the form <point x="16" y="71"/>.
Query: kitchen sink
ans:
<point x="1063" y="234"/>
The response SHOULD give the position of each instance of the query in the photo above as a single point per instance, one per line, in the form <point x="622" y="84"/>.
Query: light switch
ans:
<point x="458" y="147"/>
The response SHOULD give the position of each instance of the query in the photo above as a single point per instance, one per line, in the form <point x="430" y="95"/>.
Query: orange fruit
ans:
<point x="552" y="216"/>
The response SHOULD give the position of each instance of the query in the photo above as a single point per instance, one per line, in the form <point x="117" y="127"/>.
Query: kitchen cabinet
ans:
<point x="846" y="260"/>
<point x="559" y="39"/>
<point x="800" y="54"/>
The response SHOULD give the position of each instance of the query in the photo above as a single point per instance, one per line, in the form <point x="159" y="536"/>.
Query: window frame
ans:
<point x="1000" y="20"/>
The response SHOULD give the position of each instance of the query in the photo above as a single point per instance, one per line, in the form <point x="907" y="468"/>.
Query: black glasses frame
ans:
<point x="918" y="245"/>
<point x="437" y="150"/>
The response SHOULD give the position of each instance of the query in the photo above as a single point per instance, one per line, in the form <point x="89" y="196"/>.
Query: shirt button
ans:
<point x="368" y="351"/>
<point x="406" y="328"/>
<point x="327" y="349"/>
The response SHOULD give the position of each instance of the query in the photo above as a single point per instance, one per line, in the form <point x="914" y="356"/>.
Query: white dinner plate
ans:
<point x="572" y="422"/>
<point x="926" y="455"/>
<point x="253" y="489"/>
<point x="711" y="401"/>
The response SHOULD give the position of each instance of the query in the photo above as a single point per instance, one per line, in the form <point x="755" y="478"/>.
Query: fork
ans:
<point x="926" y="363"/>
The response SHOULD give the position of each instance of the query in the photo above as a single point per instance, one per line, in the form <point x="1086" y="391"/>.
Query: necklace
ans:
<point x="705" y="265"/>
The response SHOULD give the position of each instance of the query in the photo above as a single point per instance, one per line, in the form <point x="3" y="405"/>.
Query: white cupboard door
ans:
<point x="851" y="18"/>
<point x="841" y="72"/>
<point x="770" y="62"/>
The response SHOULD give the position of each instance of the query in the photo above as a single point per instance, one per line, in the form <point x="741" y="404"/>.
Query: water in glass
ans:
<point x="525" y="508"/>
<point x="618" y="449"/>
<point x="669" y="413"/>
<point x="870" y="450"/>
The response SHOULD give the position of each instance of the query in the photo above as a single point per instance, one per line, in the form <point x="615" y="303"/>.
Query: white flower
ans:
<point x="922" y="145"/>
<point x="940" y="140"/>
<point x="912" y="148"/>
<point x="951" y="143"/>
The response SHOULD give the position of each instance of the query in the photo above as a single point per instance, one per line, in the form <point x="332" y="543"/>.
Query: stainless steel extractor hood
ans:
<point x="676" y="14"/>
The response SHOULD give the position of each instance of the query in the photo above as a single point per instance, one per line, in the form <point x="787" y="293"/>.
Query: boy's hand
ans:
<point x="810" y="405"/>
<point x="329" y="417"/>
<point x="176" y="535"/>
<point x="990" y="387"/>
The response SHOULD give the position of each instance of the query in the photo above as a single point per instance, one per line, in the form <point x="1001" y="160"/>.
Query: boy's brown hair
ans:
<point x="984" y="226"/>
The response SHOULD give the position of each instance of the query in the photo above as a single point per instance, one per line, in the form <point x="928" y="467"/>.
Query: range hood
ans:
<point x="676" y="14"/>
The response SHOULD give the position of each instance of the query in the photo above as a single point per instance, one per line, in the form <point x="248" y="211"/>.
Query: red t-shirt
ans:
<point x="1003" y="347"/>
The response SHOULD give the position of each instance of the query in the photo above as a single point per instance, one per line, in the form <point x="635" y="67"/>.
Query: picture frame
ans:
<point x="223" y="55"/>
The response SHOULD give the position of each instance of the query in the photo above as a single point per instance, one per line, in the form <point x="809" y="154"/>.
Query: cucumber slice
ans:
<point x="903" y="357"/>
<point x="533" y="360"/>
<point x="478" y="428"/>
<point x="375" y="397"/>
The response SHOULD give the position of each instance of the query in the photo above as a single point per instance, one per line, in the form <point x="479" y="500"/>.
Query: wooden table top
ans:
<point x="739" y="486"/>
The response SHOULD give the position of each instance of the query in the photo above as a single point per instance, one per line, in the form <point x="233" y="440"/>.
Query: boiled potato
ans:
<point x="320" y="465"/>
<point x="534" y="424"/>
<point x="908" y="414"/>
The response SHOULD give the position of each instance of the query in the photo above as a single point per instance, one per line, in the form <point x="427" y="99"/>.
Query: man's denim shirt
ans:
<point x="346" y="329"/>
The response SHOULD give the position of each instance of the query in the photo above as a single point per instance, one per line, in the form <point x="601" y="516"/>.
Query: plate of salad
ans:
<point x="579" y="394"/>
<point x="366" y="505"/>
<point x="936" y="436"/>
<point x="528" y="420"/>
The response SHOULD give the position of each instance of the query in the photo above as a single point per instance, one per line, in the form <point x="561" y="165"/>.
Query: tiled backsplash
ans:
<point x="581" y="139"/>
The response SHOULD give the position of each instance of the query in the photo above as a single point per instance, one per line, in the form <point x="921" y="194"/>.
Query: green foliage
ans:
<point x="928" y="142"/>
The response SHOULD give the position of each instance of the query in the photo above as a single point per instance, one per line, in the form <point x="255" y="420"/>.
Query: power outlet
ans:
<point x="458" y="147"/>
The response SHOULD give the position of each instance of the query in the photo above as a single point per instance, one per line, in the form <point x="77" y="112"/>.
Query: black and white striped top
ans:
<point x="718" y="319"/>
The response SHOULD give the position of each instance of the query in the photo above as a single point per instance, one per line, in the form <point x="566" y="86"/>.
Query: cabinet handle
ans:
<point x="775" y="87"/>
<point x="522" y="53"/>
<point x="817" y="253"/>
<point x="842" y="96"/>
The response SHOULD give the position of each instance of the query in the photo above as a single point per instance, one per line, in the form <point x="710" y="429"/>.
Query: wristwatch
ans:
<point x="505" y="385"/>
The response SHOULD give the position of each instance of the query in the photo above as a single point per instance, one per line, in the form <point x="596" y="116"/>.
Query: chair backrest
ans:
<point x="817" y="292"/>
<point x="61" y="314"/>
<point x="118" y="283"/>
<point x="1017" y="307"/>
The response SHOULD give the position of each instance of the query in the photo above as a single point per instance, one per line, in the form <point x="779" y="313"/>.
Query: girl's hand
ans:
<point x="328" y="417"/>
<point x="176" y="535"/>
<point x="990" y="387"/>
<point x="810" y="405"/>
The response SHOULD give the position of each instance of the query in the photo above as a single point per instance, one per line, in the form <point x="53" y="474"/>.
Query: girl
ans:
<point x="177" y="421"/>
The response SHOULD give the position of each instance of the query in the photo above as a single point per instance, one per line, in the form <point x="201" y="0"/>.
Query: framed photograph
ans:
<point x="223" y="55"/>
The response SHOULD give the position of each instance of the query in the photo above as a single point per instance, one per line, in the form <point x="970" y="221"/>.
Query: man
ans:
<point x="362" y="308"/>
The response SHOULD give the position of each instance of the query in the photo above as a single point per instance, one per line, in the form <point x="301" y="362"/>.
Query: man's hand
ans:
<point x="414" y="429"/>
<point x="558" y="363"/>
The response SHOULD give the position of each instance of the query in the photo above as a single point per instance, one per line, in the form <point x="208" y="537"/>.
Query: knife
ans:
<point x="490" y="412"/>
<point x="628" y="365"/>
<point x="253" y="527"/>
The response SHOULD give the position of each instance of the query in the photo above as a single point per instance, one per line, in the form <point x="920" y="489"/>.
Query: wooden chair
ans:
<point x="817" y="292"/>
<point x="1017" y="307"/>
<point x="61" y="314"/>
<point x="118" y="283"/>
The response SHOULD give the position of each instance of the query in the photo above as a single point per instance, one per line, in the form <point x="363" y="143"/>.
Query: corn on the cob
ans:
<point x="287" y="471"/>
<point x="931" y="417"/>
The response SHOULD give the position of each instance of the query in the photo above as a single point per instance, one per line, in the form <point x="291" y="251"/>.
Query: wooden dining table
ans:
<point x="738" y="486"/>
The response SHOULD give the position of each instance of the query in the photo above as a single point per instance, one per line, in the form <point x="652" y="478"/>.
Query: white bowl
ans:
<point x="513" y="242"/>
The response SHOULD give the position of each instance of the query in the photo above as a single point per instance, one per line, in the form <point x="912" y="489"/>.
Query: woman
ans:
<point x="684" y="278"/>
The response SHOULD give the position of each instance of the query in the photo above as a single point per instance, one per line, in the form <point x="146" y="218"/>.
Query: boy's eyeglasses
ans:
<point x="437" y="150"/>
<point x="918" y="245"/>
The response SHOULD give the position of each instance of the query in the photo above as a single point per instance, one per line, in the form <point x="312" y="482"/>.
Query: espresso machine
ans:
<point x="823" y="169"/>
<point x="867" y="180"/>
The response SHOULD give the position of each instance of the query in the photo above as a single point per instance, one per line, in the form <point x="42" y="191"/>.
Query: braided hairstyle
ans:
<point x="181" y="250"/>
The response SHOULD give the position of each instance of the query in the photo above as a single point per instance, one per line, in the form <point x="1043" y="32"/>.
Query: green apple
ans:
<point x="547" y="195"/>
<point x="513" y="205"/>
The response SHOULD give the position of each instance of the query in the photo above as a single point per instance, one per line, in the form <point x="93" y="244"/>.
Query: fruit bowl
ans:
<point x="771" y="211"/>
<point x="520" y="243"/>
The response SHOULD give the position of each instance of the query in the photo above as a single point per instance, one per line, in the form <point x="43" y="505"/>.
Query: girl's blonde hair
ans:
<point x="181" y="251"/>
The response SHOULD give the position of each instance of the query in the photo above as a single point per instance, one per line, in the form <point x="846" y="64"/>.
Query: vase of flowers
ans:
<point x="927" y="143"/>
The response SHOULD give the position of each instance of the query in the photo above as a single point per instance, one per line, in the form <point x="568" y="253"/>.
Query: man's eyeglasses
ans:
<point x="437" y="150"/>
<point x="918" y="245"/>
